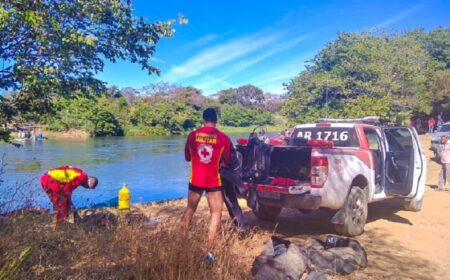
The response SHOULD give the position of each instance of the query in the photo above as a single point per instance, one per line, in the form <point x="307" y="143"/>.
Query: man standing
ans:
<point x="431" y="124"/>
<point x="206" y="148"/>
<point x="59" y="183"/>
<point x="444" y="175"/>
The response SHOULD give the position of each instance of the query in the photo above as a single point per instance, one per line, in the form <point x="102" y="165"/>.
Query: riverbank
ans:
<point x="75" y="134"/>
<point x="399" y="244"/>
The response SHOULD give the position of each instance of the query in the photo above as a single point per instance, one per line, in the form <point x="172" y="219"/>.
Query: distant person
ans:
<point x="444" y="175"/>
<point x="59" y="183"/>
<point x="39" y="136"/>
<point x="206" y="148"/>
<point x="431" y="124"/>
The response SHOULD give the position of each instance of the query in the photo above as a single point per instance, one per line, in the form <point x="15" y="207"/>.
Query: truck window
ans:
<point x="399" y="139"/>
<point x="372" y="139"/>
<point x="375" y="147"/>
<point x="340" y="136"/>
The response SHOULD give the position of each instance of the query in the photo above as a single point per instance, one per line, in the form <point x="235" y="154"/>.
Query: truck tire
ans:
<point x="266" y="213"/>
<point x="413" y="205"/>
<point x="355" y="213"/>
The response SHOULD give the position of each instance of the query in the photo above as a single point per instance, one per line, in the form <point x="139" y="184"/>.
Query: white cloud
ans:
<point x="398" y="17"/>
<point x="209" y="84"/>
<point x="155" y="59"/>
<point x="203" y="40"/>
<point x="278" y="47"/>
<point x="220" y="54"/>
<point x="272" y="81"/>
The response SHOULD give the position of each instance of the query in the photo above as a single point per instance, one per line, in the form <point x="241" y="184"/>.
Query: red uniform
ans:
<point x="206" y="148"/>
<point x="59" y="183"/>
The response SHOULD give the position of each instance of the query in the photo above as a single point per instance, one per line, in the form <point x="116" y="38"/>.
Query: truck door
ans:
<point x="401" y="161"/>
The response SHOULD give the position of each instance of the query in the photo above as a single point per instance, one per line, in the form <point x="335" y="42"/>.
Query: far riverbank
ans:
<point x="76" y="134"/>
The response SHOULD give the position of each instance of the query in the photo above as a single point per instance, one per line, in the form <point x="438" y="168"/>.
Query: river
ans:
<point x="153" y="168"/>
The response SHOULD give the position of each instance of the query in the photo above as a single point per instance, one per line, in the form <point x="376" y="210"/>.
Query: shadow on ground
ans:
<point x="292" y="222"/>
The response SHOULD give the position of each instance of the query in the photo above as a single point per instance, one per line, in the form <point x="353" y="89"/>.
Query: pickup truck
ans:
<point x="336" y="164"/>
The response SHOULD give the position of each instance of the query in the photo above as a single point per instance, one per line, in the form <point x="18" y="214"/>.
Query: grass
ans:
<point x="119" y="252"/>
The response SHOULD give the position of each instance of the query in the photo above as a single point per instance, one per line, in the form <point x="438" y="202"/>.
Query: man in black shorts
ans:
<point x="206" y="148"/>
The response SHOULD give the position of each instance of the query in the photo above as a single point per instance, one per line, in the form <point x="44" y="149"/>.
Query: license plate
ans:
<point x="271" y="195"/>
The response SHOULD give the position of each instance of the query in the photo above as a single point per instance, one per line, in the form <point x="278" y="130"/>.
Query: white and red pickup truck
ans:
<point x="337" y="164"/>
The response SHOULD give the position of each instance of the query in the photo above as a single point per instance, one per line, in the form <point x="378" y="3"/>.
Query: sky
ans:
<point x="265" y="43"/>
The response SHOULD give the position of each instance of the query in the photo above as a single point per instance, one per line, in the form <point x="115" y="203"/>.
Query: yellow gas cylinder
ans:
<point x="124" y="198"/>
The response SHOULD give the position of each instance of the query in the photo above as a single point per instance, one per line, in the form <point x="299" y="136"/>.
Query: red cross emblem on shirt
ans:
<point x="205" y="153"/>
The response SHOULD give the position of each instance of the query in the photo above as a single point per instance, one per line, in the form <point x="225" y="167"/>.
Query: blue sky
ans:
<point x="265" y="43"/>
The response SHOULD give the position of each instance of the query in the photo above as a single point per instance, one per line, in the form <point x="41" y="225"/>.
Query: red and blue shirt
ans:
<point x="206" y="148"/>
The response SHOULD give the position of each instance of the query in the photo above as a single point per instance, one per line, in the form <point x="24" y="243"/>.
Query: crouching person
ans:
<point x="59" y="183"/>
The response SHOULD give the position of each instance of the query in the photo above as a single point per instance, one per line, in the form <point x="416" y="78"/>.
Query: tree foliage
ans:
<point x="238" y="116"/>
<point x="362" y="73"/>
<point x="59" y="46"/>
<point x="154" y="93"/>
<point x="228" y="96"/>
<point x="249" y="95"/>
<point x="90" y="115"/>
<point x="164" y="117"/>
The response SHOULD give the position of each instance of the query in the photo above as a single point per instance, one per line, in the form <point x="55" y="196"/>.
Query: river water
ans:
<point x="153" y="168"/>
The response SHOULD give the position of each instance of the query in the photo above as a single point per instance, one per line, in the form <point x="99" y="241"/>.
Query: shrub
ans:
<point x="237" y="116"/>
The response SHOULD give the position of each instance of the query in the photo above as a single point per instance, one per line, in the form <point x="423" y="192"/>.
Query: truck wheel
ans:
<point x="355" y="213"/>
<point x="413" y="205"/>
<point x="266" y="213"/>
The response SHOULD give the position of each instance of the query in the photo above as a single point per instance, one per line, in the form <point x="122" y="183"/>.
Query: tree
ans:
<point x="237" y="116"/>
<point x="440" y="93"/>
<point x="87" y="114"/>
<point x="59" y="46"/>
<point x="130" y="94"/>
<point x="164" y="117"/>
<point x="158" y="92"/>
<point x="6" y="114"/>
<point x="113" y="92"/>
<point x="120" y="109"/>
<point x="228" y="96"/>
<point x="437" y="43"/>
<point x="159" y="88"/>
<point x="362" y="73"/>
<point x="51" y="47"/>
<point x="249" y="95"/>
<point x="273" y="102"/>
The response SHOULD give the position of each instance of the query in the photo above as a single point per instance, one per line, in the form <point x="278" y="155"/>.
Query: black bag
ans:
<point x="337" y="255"/>
<point x="280" y="259"/>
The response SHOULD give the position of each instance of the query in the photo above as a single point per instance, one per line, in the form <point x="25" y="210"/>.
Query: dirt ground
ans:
<point x="399" y="244"/>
